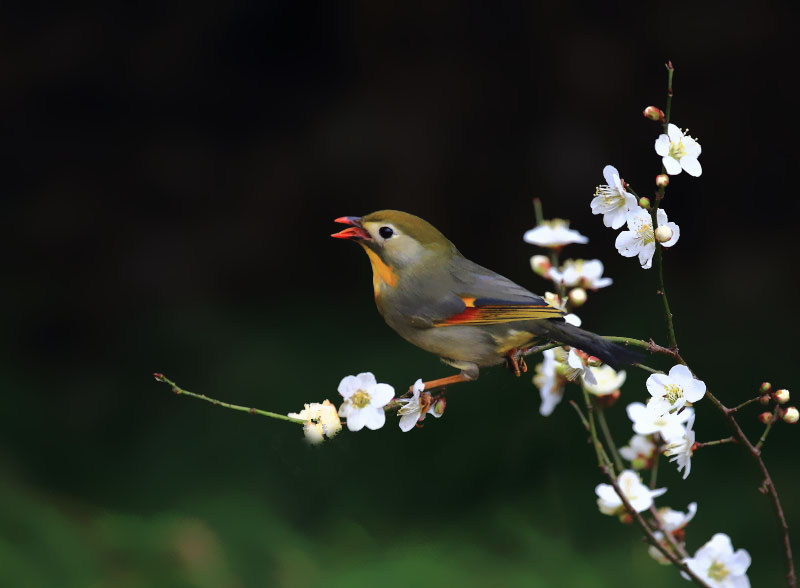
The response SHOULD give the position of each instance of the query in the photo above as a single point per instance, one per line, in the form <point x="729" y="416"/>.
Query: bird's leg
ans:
<point x="442" y="382"/>
<point x="516" y="362"/>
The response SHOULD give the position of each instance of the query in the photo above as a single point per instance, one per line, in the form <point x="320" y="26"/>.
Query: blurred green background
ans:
<point x="173" y="174"/>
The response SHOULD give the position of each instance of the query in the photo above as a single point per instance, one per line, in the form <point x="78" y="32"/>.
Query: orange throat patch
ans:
<point x="381" y="273"/>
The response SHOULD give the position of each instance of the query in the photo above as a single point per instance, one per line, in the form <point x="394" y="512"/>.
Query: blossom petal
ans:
<point x="662" y="145"/>
<point x="655" y="384"/>
<point x="366" y="380"/>
<point x="381" y="394"/>
<point x="646" y="255"/>
<point x="627" y="244"/>
<point x="691" y="166"/>
<point x="674" y="133"/>
<point x="375" y="417"/>
<point x="407" y="421"/>
<point x="739" y="562"/>
<point x="671" y="165"/>
<point x="609" y="173"/>
<point x="356" y="419"/>
<point x="348" y="386"/>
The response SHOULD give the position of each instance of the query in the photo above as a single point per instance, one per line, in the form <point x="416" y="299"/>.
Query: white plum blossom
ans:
<point x="612" y="200"/>
<point x="411" y="411"/>
<point x="640" y="238"/>
<point x="607" y="380"/>
<point x="647" y="421"/>
<point x="580" y="272"/>
<point x="673" y="522"/>
<point x="638" y="495"/>
<point x="322" y="421"/>
<point x="572" y="319"/>
<point x="364" y="400"/>
<point x="550" y="382"/>
<point x="578" y="366"/>
<point x="672" y="391"/>
<point x="682" y="450"/>
<point x="553" y="233"/>
<point x="718" y="565"/>
<point x="678" y="152"/>
<point x="639" y="450"/>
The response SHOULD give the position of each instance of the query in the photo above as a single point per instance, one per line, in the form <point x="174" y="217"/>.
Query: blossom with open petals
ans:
<point x="682" y="449"/>
<point x="322" y="421"/>
<point x="718" y="565"/>
<point x="578" y="366"/>
<point x="553" y="233"/>
<point x="550" y="381"/>
<point x="607" y="380"/>
<point x="364" y="400"/>
<point x="580" y="272"/>
<point x="672" y="391"/>
<point x="612" y="200"/>
<point x="673" y="522"/>
<point x="647" y="421"/>
<point x="411" y="411"/>
<point x="640" y="238"/>
<point x="678" y="152"/>
<point x="640" y="450"/>
<point x="638" y="495"/>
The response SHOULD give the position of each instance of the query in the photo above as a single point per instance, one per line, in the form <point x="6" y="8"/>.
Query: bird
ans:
<point x="466" y="314"/>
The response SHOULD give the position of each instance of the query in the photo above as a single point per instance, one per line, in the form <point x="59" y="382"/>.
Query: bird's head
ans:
<point x="399" y="239"/>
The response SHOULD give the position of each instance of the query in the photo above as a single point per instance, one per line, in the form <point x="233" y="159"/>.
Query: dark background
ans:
<point x="171" y="171"/>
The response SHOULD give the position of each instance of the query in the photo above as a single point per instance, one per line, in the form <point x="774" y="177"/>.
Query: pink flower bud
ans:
<point x="765" y="387"/>
<point x="791" y="415"/>
<point x="765" y="418"/>
<point x="781" y="396"/>
<point x="662" y="180"/>
<point x="764" y="399"/>
<point x="540" y="264"/>
<point x="439" y="406"/>
<point x="653" y="113"/>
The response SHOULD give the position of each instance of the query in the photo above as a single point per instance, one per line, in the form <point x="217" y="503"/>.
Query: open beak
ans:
<point x="354" y="231"/>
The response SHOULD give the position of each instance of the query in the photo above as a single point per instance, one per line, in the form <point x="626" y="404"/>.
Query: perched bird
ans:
<point x="469" y="316"/>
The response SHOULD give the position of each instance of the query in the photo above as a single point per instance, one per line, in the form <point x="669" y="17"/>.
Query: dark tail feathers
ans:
<point x="614" y="355"/>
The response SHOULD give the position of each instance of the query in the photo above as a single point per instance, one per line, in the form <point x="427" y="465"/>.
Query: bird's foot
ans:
<point x="516" y="362"/>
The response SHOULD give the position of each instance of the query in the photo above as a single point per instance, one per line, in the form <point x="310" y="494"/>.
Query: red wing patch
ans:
<point x="477" y="313"/>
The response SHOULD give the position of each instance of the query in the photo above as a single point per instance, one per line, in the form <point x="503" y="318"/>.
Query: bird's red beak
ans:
<point x="354" y="231"/>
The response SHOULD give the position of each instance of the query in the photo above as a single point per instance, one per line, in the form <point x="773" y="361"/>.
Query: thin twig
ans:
<point x="745" y="403"/>
<point x="767" y="429"/>
<point x="697" y="446"/>
<point x="178" y="390"/>
<point x="612" y="447"/>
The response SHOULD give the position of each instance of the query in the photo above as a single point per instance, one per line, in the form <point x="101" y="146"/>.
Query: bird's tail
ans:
<point x="614" y="355"/>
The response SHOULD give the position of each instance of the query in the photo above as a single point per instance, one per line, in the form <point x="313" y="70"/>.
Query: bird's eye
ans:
<point x="385" y="232"/>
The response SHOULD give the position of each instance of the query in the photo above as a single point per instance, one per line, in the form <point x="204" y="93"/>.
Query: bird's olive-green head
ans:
<point x="399" y="239"/>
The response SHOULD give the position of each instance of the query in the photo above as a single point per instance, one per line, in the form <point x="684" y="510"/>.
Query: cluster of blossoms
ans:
<point x="571" y="279"/>
<point x="364" y="405"/>
<point x="618" y="207"/>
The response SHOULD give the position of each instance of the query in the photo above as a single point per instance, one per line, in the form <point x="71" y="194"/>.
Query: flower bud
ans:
<point x="781" y="396"/>
<point x="625" y="518"/>
<point x="540" y="264"/>
<point x="644" y="202"/>
<point x="663" y="234"/>
<point x="662" y="180"/>
<point x="765" y="418"/>
<point x="577" y="297"/>
<point x="640" y="463"/>
<point x="791" y="415"/>
<point x="764" y="399"/>
<point x="765" y="387"/>
<point x="439" y="406"/>
<point x="653" y="113"/>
